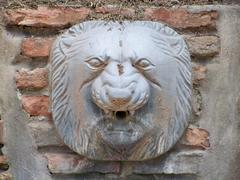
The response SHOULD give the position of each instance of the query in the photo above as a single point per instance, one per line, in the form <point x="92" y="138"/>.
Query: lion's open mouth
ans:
<point x="118" y="122"/>
<point x="120" y="115"/>
<point x="119" y="129"/>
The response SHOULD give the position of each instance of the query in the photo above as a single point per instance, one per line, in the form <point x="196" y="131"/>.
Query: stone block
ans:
<point x="45" y="134"/>
<point x="183" y="162"/>
<point x="76" y="164"/>
<point x="203" y="46"/>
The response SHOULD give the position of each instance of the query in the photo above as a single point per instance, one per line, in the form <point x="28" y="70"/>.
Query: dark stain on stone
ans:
<point x="120" y="69"/>
<point x="120" y="43"/>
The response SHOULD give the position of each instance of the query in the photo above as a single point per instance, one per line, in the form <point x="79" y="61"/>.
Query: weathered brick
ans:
<point x="46" y="17"/>
<point x="35" y="79"/>
<point x="203" y="46"/>
<point x="3" y="160"/>
<point x="36" y="105"/>
<point x="3" y="163"/>
<point x="6" y="176"/>
<point x="45" y="134"/>
<point x="36" y="47"/>
<point x="75" y="164"/>
<point x="182" y="18"/>
<point x="197" y="137"/>
<point x="199" y="74"/>
<point x="116" y="11"/>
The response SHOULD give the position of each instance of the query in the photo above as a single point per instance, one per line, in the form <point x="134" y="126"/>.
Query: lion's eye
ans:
<point x="144" y="64"/>
<point x="95" y="63"/>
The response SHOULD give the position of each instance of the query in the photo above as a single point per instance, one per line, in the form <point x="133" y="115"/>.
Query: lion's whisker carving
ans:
<point x="120" y="101"/>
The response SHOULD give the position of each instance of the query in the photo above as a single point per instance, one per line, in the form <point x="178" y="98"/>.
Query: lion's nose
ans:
<point x="118" y="97"/>
<point x="119" y="101"/>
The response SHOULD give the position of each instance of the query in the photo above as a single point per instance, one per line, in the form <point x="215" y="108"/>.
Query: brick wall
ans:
<point x="40" y="27"/>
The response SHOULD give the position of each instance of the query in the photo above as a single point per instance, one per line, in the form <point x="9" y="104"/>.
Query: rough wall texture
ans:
<point x="208" y="150"/>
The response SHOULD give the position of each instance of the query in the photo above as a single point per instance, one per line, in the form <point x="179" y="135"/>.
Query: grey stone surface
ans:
<point x="25" y="162"/>
<point x="183" y="162"/>
<point x="220" y="116"/>
<point x="131" y="177"/>
<point x="44" y="133"/>
<point x="231" y="1"/>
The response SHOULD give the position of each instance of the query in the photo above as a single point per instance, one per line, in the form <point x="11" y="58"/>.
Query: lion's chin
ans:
<point x="120" y="135"/>
<point x="120" y="140"/>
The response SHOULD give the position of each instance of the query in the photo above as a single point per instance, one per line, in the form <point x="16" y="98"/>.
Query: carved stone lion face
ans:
<point x="120" y="91"/>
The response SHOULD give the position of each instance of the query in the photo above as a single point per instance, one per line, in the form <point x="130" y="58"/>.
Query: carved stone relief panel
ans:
<point x="120" y="90"/>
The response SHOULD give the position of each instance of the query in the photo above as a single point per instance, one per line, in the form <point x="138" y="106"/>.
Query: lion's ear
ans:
<point x="171" y="37"/>
<point x="177" y="44"/>
<point x="67" y="42"/>
<point x="69" y="37"/>
<point x="175" y="40"/>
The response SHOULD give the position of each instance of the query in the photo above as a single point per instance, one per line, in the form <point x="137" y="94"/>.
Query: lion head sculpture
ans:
<point x="120" y="91"/>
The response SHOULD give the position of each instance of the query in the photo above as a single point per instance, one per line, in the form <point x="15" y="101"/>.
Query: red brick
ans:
<point x="73" y="163"/>
<point x="197" y="137"/>
<point x="35" y="79"/>
<point x="36" y="105"/>
<point x="36" y="47"/>
<point x="199" y="74"/>
<point x="181" y="18"/>
<point x="116" y="10"/>
<point x="46" y="17"/>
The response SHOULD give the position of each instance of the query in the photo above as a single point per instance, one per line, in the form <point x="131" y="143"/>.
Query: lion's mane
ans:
<point x="68" y="126"/>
